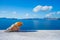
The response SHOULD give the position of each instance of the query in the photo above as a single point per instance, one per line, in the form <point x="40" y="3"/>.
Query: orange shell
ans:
<point x="18" y="23"/>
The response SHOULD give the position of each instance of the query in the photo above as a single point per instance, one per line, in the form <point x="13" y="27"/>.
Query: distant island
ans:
<point x="33" y="18"/>
<point x="52" y="18"/>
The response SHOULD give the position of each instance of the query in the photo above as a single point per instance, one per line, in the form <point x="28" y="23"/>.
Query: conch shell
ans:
<point x="14" y="27"/>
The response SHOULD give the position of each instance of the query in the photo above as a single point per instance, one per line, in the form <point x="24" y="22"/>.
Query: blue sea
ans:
<point x="31" y="24"/>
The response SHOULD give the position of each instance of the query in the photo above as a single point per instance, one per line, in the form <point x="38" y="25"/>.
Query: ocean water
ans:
<point x="31" y="24"/>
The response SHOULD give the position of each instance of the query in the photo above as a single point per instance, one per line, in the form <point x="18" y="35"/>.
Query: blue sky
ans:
<point x="30" y="8"/>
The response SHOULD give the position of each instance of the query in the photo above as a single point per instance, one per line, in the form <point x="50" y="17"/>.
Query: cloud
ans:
<point x="14" y="12"/>
<point x="58" y="12"/>
<point x="26" y="14"/>
<point x="48" y="15"/>
<point x="37" y="8"/>
<point x="42" y="8"/>
<point x="3" y="11"/>
<point x="52" y="14"/>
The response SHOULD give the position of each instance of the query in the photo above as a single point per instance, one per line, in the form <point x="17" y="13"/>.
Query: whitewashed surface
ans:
<point x="39" y="35"/>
